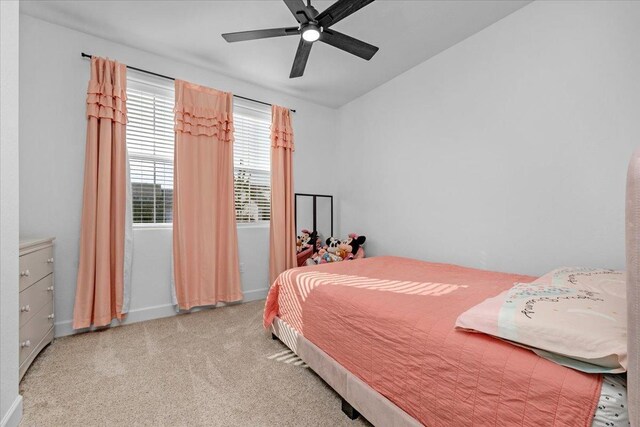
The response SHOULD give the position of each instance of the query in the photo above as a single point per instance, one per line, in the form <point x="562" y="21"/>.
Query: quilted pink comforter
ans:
<point x="390" y="321"/>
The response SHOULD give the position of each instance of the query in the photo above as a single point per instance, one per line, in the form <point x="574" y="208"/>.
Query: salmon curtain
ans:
<point x="205" y="240"/>
<point x="105" y="238"/>
<point x="282" y="254"/>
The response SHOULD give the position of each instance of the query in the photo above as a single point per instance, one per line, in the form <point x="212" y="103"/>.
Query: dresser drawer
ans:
<point x="34" y="298"/>
<point x="34" y="330"/>
<point x="43" y="343"/>
<point x="34" y="266"/>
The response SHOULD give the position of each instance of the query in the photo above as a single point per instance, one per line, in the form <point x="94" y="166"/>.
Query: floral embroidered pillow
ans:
<point x="576" y="317"/>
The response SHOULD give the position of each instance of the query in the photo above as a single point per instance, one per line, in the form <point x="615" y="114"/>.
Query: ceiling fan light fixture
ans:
<point x="311" y="32"/>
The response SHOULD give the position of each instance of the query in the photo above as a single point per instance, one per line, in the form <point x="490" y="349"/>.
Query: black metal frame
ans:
<point x="315" y="213"/>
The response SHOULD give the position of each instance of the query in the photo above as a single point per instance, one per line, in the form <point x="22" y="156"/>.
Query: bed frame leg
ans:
<point x="273" y="336"/>
<point x="349" y="410"/>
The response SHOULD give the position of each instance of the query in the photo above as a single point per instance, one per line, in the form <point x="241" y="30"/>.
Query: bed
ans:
<point x="380" y="331"/>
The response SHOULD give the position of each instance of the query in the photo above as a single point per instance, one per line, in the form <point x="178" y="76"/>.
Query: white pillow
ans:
<point x="576" y="317"/>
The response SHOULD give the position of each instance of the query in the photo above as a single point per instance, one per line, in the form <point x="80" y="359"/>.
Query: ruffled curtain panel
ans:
<point x="205" y="241"/>
<point x="105" y="240"/>
<point x="282" y="255"/>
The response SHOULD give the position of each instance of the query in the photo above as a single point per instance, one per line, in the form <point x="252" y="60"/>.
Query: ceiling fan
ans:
<point x="314" y="26"/>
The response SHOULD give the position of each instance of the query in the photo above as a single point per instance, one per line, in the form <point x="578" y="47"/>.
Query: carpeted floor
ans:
<point x="214" y="367"/>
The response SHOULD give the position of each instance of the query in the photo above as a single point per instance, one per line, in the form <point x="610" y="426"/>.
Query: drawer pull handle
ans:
<point x="24" y="344"/>
<point x="50" y="261"/>
<point x="25" y="273"/>
<point x="25" y="308"/>
<point x="51" y="316"/>
<point x="50" y="288"/>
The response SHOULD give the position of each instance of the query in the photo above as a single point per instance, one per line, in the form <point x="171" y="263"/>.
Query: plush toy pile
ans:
<point x="338" y="250"/>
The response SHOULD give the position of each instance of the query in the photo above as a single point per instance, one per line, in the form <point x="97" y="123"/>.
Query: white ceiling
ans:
<point x="407" y="33"/>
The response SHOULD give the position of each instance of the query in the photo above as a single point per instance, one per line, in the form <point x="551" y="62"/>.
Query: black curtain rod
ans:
<point x="85" y="55"/>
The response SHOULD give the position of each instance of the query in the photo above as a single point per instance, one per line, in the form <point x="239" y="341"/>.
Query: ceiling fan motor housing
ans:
<point x="312" y="11"/>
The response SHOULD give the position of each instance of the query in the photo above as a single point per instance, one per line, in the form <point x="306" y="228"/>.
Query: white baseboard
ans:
<point x="14" y="414"/>
<point x="255" y="294"/>
<point x="64" y="328"/>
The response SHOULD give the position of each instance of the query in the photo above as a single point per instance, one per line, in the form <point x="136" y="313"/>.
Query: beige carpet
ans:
<point x="209" y="368"/>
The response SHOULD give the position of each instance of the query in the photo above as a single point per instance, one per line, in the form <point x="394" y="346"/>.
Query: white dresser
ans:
<point x="36" y="298"/>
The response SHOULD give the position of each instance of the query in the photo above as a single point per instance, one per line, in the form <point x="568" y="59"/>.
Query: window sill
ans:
<point x="264" y="224"/>
<point x="142" y="226"/>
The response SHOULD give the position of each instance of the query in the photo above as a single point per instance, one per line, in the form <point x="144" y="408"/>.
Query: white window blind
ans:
<point x="252" y="161"/>
<point x="150" y="142"/>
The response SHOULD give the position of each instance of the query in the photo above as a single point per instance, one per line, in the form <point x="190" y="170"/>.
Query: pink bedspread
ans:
<point x="390" y="321"/>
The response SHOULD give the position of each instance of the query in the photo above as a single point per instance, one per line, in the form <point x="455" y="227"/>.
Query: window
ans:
<point x="150" y="142"/>
<point x="252" y="161"/>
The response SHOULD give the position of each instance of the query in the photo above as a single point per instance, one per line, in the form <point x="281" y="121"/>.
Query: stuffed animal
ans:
<point x="318" y="257"/>
<point x="343" y="250"/>
<point x="332" y="245"/>
<point x="329" y="257"/>
<point x="306" y="236"/>
<point x="323" y="256"/>
<point x="305" y="240"/>
<point x="353" y="244"/>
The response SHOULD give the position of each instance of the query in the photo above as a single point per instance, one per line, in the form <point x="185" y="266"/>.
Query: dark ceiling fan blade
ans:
<point x="300" y="61"/>
<point x="298" y="9"/>
<point x="340" y="10"/>
<point x="260" y="34"/>
<point x="348" y="44"/>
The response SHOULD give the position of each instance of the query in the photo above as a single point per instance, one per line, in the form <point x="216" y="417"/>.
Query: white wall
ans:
<point x="10" y="400"/>
<point x="53" y="84"/>
<point x="508" y="151"/>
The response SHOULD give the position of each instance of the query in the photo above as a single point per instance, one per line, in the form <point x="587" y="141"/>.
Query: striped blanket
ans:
<point x="390" y="321"/>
